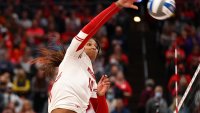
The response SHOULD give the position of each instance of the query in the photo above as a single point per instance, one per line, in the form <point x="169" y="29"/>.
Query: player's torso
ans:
<point x="76" y="76"/>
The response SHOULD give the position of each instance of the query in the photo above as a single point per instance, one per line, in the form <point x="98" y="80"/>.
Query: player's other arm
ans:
<point x="78" y="42"/>
<point x="99" y="104"/>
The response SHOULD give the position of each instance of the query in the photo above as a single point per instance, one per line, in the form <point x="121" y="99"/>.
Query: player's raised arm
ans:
<point x="78" y="42"/>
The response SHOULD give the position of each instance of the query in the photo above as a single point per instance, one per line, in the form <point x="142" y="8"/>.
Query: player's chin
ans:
<point x="93" y="56"/>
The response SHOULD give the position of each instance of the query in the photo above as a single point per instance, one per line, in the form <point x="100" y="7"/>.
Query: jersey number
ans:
<point x="91" y="83"/>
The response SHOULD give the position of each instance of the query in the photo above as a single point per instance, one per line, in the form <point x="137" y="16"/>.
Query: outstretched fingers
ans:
<point x="134" y="7"/>
<point x="102" y="78"/>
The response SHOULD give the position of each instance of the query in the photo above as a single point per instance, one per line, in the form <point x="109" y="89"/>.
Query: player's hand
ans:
<point x="103" y="85"/>
<point x="126" y="4"/>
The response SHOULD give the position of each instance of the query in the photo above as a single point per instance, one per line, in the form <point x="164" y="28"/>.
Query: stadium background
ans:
<point x="132" y="52"/>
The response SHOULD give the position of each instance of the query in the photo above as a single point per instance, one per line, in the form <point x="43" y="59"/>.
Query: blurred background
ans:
<point x="137" y="53"/>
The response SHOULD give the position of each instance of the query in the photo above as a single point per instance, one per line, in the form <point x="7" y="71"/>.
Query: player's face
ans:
<point x="91" y="49"/>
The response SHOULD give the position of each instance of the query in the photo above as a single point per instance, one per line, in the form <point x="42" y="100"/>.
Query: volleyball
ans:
<point x="161" y="9"/>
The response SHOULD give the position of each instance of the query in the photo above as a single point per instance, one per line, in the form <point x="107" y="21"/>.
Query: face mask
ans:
<point x="110" y="95"/>
<point x="158" y="95"/>
<point x="113" y="61"/>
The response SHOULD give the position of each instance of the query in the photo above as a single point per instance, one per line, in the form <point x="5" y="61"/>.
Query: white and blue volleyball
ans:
<point x="161" y="9"/>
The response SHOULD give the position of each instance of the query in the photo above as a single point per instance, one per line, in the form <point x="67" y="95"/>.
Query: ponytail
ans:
<point x="50" y="59"/>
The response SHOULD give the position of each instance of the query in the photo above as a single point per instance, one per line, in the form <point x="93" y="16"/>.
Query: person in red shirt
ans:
<point x="180" y="77"/>
<point x="120" y="55"/>
<point x="193" y="59"/>
<point x="123" y="85"/>
<point x="169" y="54"/>
<point x="146" y="94"/>
<point x="35" y="33"/>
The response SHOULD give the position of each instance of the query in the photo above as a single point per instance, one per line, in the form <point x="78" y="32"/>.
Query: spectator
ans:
<point x="147" y="93"/>
<point x="27" y="107"/>
<point x="6" y="37"/>
<point x="39" y="87"/>
<point x="172" y="107"/>
<point x="183" y="83"/>
<point x="170" y="59"/>
<point x="53" y="36"/>
<point x="35" y="34"/>
<point x="5" y="63"/>
<point x="119" y="37"/>
<point x="180" y="39"/>
<point x="193" y="59"/>
<point x="16" y="54"/>
<point x="182" y="79"/>
<point x="157" y="104"/>
<point x="11" y="98"/>
<point x="25" y="61"/>
<point x="167" y="36"/>
<point x="119" y="55"/>
<point x="102" y="32"/>
<point x="191" y="39"/>
<point x="170" y="54"/>
<point x="25" y="21"/>
<point x="4" y="81"/>
<point x="73" y="23"/>
<point x="21" y="84"/>
<point x="197" y="102"/>
<point x="123" y="85"/>
<point x="104" y="43"/>
<point x="111" y="95"/>
<point x="120" y="108"/>
<point x="112" y="69"/>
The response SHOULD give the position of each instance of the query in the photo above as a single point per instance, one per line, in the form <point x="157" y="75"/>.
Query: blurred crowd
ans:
<point x="26" y="27"/>
<point x="183" y="33"/>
